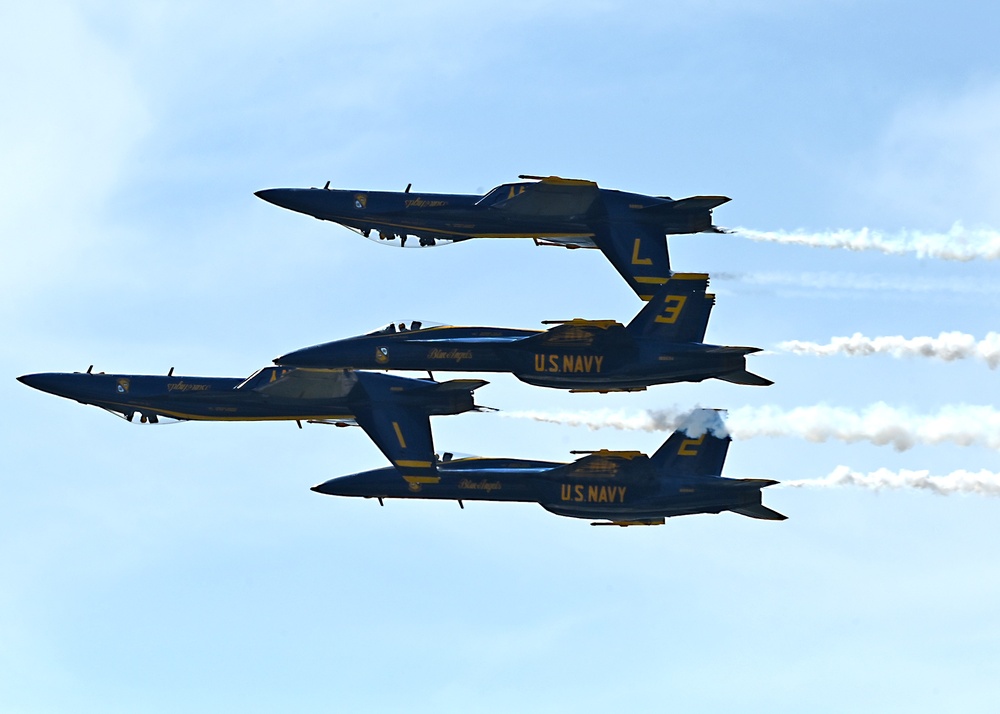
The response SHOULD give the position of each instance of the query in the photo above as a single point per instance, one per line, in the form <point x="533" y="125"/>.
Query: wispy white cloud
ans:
<point x="948" y="346"/>
<point x="879" y="423"/>
<point x="73" y="112"/>
<point x="980" y="482"/>
<point x="939" y="158"/>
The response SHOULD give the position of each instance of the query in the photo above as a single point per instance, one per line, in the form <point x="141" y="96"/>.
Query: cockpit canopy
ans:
<point x="446" y="456"/>
<point x="405" y="326"/>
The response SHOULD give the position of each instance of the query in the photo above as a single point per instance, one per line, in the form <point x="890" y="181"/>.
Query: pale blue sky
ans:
<point x="189" y="567"/>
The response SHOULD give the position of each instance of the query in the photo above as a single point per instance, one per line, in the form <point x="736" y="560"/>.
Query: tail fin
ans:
<point x="678" y="311"/>
<point x="697" y="448"/>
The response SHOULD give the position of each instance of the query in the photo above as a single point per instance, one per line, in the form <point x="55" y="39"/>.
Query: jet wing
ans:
<point x="403" y="434"/>
<point x="639" y="253"/>
<point x="395" y="413"/>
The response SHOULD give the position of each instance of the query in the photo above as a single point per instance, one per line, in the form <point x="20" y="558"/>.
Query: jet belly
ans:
<point x="640" y="501"/>
<point x="243" y="406"/>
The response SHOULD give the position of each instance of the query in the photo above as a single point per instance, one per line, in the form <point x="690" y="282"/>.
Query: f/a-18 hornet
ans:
<point x="662" y="344"/>
<point x="624" y="488"/>
<point x="393" y="411"/>
<point x="629" y="228"/>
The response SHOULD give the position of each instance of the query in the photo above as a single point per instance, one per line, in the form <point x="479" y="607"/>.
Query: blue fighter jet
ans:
<point x="629" y="228"/>
<point x="393" y="411"/>
<point x="623" y="488"/>
<point x="662" y="344"/>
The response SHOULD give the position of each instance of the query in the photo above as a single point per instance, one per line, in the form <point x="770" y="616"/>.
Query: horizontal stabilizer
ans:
<point x="721" y="350"/>
<point x="745" y="377"/>
<point x="694" y="203"/>
<point x="759" y="511"/>
<point x="452" y="385"/>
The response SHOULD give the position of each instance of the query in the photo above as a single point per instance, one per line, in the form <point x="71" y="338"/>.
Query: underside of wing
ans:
<point x="639" y="253"/>
<point x="403" y="434"/>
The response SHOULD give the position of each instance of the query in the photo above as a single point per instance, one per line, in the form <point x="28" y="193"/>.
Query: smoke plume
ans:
<point x="831" y="282"/>
<point x="981" y="482"/>
<point x="959" y="243"/>
<point x="879" y="423"/>
<point x="947" y="346"/>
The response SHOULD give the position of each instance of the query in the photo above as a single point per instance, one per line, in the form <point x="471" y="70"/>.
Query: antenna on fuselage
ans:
<point x="408" y="187"/>
<point x="171" y="372"/>
<point x="327" y="187"/>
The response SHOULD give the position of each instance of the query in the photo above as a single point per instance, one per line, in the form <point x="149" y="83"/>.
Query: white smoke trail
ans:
<point x="959" y="243"/>
<point x="981" y="482"/>
<point x="962" y="424"/>
<point x="832" y="281"/>
<point x="947" y="346"/>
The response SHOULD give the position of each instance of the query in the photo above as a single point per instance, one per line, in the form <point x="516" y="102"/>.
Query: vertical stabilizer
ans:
<point x="697" y="448"/>
<point x="677" y="312"/>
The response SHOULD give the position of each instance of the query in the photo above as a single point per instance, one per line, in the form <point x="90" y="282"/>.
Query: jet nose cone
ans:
<point x="331" y="355"/>
<point x="302" y="200"/>
<point x="300" y="358"/>
<point x="315" y="202"/>
<point x="43" y="382"/>
<point x="327" y="488"/>
<point x="60" y="384"/>
<point x="269" y="194"/>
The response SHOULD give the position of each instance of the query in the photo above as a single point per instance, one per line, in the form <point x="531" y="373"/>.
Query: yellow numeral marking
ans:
<point x="399" y="434"/>
<point x="689" y="446"/>
<point x="672" y="306"/>
<point x="636" y="260"/>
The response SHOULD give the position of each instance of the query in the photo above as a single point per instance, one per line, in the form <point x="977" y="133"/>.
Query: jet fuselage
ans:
<point x="630" y="364"/>
<point x="632" y="492"/>
<point x="235" y="399"/>
<point x="462" y="216"/>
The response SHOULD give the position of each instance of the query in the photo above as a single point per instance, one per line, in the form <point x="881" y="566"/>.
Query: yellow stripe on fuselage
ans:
<point x="406" y="463"/>
<point x="422" y="479"/>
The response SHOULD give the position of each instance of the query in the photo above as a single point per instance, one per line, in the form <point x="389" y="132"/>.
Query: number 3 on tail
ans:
<point x="672" y="306"/>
